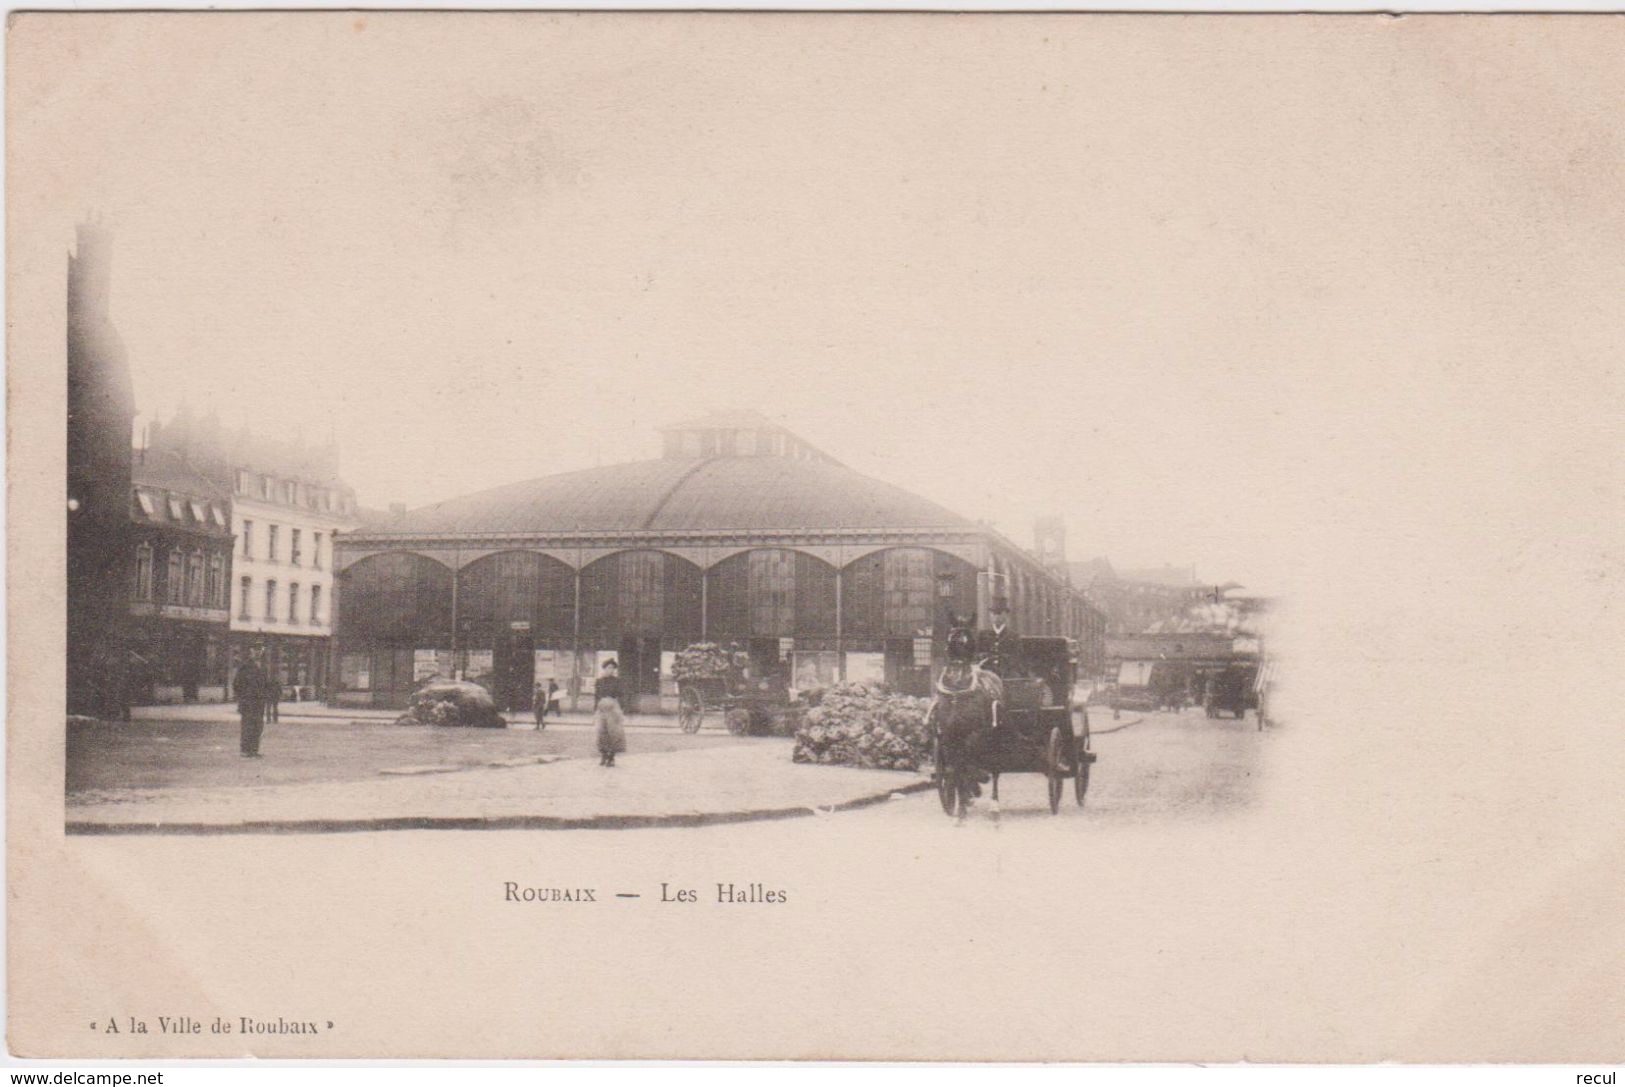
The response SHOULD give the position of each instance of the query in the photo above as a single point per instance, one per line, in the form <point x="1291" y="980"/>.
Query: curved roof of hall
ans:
<point x="682" y="495"/>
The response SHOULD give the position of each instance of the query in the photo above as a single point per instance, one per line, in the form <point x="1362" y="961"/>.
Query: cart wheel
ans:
<point x="738" y="721"/>
<point x="1054" y="769"/>
<point x="690" y="710"/>
<point x="1080" y="761"/>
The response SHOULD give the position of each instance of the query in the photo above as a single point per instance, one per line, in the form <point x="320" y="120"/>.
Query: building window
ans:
<point x="242" y="481"/>
<point x="266" y="488"/>
<point x="315" y="604"/>
<point x="772" y="591"/>
<point x="146" y="503"/>
<point x="176" y="574"/>
<point x="293" y="546"/>
<point x="270" y="601"/>
<point x="248" y="586"/>
<point x="143" y="572"/>
<point x="355" y="672"/>
<point x="200" y="512"/>
<point x="316" y="550"/>
<point x="217" y="581"/>
<point x="176" y="513"/>
<point x="194" y="578"/>
<point x="907" y="583"/>
<point x="293" y="602"/>
<point x="248" y="539"/>
<point x="270" y="551"/>
<point x="290" y="492"/>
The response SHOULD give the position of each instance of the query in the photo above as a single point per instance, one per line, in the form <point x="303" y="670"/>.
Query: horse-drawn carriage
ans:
<point x="712" y="679"/>
<point x="984" y="724"/>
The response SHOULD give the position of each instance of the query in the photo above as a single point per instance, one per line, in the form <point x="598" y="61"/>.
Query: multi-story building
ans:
<point x="287" y="504"/>
<point x="1135" y="601"/>
<point x="179" y="630"/>
<point x="101" y="411"/>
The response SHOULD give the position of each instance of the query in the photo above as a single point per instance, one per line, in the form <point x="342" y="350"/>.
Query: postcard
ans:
<point x="927" y="537"/>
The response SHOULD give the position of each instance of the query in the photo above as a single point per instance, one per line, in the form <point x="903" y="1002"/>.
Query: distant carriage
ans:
<point x="984" y="725"/>
<point x="1232" y="690"/>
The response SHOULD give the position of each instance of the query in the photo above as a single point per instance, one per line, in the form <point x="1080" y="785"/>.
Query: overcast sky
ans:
<point x="1192" y="292"/>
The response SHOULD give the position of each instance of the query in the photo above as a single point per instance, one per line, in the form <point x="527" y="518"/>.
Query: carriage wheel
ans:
<point x="1054" y="769"/>
<point x="690" y="710"/>
<point x="738" y="720"/>
<point x="1080" y="761"/>
<point x="947" y="785"/>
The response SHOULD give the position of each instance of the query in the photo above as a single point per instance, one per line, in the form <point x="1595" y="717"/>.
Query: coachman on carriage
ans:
<point x="1004" y="706"/>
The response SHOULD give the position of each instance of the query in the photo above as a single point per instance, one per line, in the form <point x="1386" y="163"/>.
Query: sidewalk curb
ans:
<point x="1118" y="727"/>
<point x="476" y="822"/>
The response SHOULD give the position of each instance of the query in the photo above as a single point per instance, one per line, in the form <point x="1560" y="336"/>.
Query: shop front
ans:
<point x="177" y="654"/>
<point x="298" y="663"/>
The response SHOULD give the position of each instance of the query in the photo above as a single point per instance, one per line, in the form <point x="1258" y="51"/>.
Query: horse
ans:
<point x="963" y="717"/>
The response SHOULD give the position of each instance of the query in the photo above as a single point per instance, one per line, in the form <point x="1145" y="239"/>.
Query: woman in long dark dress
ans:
<point x="607" y="710"/>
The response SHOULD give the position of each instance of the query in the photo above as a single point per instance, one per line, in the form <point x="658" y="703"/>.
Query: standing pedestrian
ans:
<point x="250" y="684"/>
<point x="273" y="691"/>
<point x="547" y="701"/>
<point x="607" y="707"/>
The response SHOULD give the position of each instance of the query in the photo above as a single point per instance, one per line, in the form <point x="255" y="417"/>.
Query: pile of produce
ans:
<point x="452" y="703"/>
<point x="857" y="725"/>
<point x="703" y="660"/>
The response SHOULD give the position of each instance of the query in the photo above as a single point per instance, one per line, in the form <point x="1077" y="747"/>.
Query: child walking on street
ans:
<point x="545" y="702"/>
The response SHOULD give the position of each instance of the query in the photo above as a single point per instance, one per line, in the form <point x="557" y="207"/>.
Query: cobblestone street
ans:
<point x="332" y="774"/>
<point x="202" y="751"/>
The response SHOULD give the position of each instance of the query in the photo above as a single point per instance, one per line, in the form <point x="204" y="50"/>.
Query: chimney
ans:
<point x="90" y="271"/>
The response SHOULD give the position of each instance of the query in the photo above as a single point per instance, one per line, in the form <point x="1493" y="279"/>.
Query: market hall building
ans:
<point x="741" y="534"/>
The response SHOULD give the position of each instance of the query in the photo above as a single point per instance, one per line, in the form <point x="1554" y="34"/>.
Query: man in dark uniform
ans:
<point x="250" y="684"/>
<point x="1001" y="645"/>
